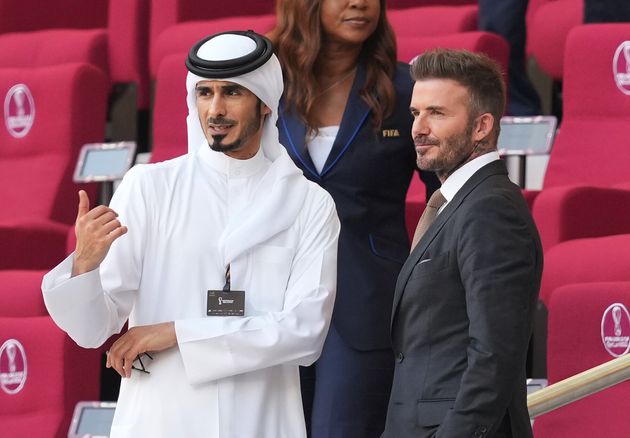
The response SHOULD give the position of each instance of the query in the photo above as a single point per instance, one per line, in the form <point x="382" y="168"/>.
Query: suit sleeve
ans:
<point x="214" y="348"/>
<point x="498" y="258"/>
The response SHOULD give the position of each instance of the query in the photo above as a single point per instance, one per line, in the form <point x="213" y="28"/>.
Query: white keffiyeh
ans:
<point x="281" y="193"/>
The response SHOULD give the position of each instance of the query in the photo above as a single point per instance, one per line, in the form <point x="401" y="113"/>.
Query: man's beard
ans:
<point x="453" y="152"/>
<point x="251" y="127"/>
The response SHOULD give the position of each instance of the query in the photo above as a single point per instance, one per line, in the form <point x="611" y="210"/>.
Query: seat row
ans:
<point x="128" y="36"/>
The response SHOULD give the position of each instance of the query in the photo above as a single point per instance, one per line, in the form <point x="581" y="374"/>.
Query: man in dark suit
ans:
<point x="464" y="300"/>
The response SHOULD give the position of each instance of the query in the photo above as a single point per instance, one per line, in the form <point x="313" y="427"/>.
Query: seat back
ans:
<point x="480" y="42"/>
<point x="49" y="113"/>
<point x="589" y="324"/>
<point x="20" y="293"/>
<point x="43" y="374"/>
<point x="170" y="111"/>
<point x="29" y="15"/>
<point x="433" y="20"/>
<point x="166" y="13"/>
<point x="128" y="50"/>
<point x="548" y="22"/>
<point x="180" y="37"/>
<point x="592" y="146"/>
<point x="54" y="47"/>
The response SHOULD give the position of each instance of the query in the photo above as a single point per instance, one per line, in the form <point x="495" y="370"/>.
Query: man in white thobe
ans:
<point x="233" y="214"/>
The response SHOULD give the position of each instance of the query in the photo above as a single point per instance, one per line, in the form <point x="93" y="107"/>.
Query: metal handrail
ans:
<point x="579" y="386"/>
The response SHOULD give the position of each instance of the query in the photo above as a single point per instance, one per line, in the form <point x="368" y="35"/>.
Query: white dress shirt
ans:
<point x="457" y="179"/>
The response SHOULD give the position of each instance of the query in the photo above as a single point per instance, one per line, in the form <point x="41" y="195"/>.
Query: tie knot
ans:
<point x="436" y="200"/>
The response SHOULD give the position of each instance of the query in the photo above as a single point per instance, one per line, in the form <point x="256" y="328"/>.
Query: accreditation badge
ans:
<point x="226" y="303"/>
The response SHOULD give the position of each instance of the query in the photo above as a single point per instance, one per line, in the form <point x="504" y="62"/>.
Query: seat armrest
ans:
<point x="575" y="212"/>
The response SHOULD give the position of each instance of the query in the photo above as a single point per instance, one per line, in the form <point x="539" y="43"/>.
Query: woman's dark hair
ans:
<point x="297" y="39"/>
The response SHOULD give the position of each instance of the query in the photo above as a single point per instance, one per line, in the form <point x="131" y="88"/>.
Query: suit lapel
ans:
<point x="493" y="168"/>
<point x="295" y="132"/>
<point x="354" y="117"/>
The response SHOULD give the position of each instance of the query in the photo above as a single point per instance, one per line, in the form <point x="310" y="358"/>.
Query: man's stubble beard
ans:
<point x="455" y="151"/>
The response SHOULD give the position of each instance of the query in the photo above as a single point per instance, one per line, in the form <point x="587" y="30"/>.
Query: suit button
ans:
<point x="400" y="357"/>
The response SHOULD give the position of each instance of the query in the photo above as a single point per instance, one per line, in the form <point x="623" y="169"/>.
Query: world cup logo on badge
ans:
<point x="621" y="67"/>
<point x="616" y="330"/>
<point x="19" y="110"/>
<point x="12" y="366"/>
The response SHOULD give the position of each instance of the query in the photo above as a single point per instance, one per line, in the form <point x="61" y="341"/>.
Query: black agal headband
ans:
<point x="227" y="68"/>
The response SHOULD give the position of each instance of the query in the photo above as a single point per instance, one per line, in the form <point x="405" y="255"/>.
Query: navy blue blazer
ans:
<point x="367" y="173"/>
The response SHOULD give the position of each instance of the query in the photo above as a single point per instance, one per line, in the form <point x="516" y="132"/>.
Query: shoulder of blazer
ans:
<point x="478" y="178"/>
<point x="496" y="167"/>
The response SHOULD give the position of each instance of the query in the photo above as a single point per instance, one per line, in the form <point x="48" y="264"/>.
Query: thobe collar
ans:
<point x="232" y="167"/>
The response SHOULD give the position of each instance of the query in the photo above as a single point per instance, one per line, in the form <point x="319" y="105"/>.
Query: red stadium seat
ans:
<point x="49" y="114"/>
<point x="54" y="47"/>
<point x="433" y="20"/>
<point x="110" y="34"/>
<point x="590" y="151"/>
<point x="577" y="208"/>
<point x="29" y="15"/>
<point x="581" y="318"/>
<point x="43" y="374"/>
<point x="585" y="261"/>
<point x="482" y="42"/>
<point x="170" y="111"/>
<point x="548" y="24"/>
<point x="20" y="294"/>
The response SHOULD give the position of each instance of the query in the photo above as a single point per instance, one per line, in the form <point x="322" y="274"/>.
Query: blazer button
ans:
<point x="400" y="357"/>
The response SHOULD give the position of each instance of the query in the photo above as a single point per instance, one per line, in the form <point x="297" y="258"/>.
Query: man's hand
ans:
<point x="96" y="230"/>
<point x="138" y="340"/>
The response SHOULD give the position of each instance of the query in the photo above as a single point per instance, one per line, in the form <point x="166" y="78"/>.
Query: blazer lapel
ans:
<point x="295" y="132"/>
<point x="493" y="168"/>
<point x="354" y="117"/>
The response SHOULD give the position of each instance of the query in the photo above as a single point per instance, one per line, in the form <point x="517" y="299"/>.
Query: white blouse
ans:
<point x="320" y="145"/>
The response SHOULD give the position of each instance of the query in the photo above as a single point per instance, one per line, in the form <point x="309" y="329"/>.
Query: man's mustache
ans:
<point x="220" y="121"/>
<point x="425" y="140"/>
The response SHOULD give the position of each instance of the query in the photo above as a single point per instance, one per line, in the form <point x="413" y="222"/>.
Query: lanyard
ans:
<point x="226" y="287"/>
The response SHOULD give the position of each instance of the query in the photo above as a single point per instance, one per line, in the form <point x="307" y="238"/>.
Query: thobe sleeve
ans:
<point x="93" y="306"/>
<point x="218" y="347"/>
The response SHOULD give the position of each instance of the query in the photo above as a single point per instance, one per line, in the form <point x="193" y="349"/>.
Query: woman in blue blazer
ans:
<point x="345" y="121"/>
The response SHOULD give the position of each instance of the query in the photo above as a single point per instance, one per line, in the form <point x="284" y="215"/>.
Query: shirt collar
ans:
<point x="458" y="178"/>
<point x="232" y="167"/>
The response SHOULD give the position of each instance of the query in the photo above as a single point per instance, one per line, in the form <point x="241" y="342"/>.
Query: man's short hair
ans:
<point x="480" y="75"/>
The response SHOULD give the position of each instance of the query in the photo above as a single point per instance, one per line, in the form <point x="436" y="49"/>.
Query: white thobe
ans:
<point x="228" y="377"/>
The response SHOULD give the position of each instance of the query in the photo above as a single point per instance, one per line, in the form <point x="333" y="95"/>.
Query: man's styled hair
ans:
<point x="480" y="75"/>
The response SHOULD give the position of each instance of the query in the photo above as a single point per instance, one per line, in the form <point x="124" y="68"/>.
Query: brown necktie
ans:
<point x="428" y="216"/>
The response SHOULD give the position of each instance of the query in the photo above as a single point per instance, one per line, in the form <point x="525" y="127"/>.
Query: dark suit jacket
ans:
<point x="367" y="173"/>
<point x="462" y="317"/>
